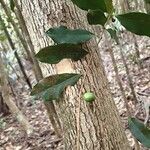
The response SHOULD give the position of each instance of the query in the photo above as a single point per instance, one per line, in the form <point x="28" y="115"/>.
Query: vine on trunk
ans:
<point x="68" y="44"/>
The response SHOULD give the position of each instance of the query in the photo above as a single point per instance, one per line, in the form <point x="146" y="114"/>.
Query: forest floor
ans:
<point x="13" y="137"/>
<point x="140" y="76"/>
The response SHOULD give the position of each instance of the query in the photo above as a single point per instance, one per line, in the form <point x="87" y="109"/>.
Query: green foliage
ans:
<point x="136" y="22"/>
<point x="140" y="132"/>
<point x="68" y="46"/>
<point x="90" y="4"/>
<point x="63" y="35"/>
<point x="51" y="88"/>
<point x="95" y="17"/>
<point x="54" y="54"/>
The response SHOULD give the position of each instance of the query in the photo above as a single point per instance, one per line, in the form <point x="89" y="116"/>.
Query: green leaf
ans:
<point x="12" y="5"/>
<point x="136" y="22"/>
<point x="90" y="4"/>
<point x="63" y="35"/>
<point x="95" y="17"/>
<point x="52" y="87"/>
<point x="140" y="132"/>
<point x="113" y="34"/>
<point x="54" y="54"/>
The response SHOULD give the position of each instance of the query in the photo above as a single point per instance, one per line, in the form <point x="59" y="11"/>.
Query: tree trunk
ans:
<point x="7" y="99"/>
<point x="100" y="126"/>
<point x="147" y="6"/>
<point x="12" y="45"/>
<point x="31" y="57"/>
<point x="3" y="107"/>
<point x="124" y="5"/>
<point x="37" y="69"/>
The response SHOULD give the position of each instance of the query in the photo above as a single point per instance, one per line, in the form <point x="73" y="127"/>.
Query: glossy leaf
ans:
<point x="140" y="131"/>
<point x="52" y="87"/>
<point x="54" y="54"/>
<point x="95" y="17"/>
<point x="136" y="22"/>
<point x="63" y="35"/>
<point x="90" y="4"/>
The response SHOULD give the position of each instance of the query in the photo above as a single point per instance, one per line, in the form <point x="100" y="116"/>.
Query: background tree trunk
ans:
<point x="3" y="107"/>
<point x="100" y="126"/>
<point x="12" y="45"/>
<point x="147" y="6"/>
<point x="37" y="69"/>
<point x="10" y="103"/>
<point x="31" y="57"/>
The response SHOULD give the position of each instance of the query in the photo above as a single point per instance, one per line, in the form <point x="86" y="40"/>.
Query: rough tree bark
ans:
<point x="3" y="107"/>
<point x="100" y="126"/>
<point x="37" y="69"/>
<point x="124" y="5"/>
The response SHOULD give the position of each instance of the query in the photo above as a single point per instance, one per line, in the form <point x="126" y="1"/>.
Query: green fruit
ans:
<point x="89" y="97"/>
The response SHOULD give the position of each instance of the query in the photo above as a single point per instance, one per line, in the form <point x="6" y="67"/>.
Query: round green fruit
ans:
<point x="89" y="97"/>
